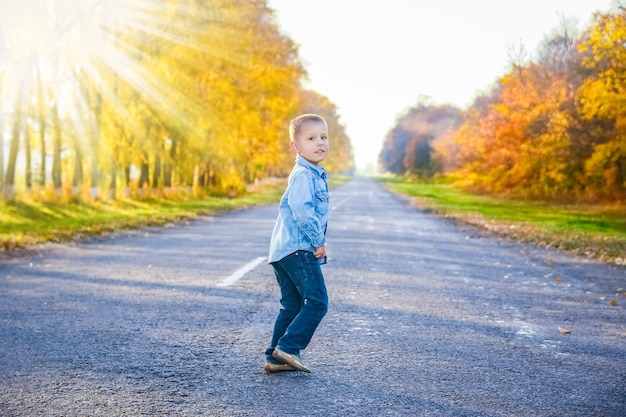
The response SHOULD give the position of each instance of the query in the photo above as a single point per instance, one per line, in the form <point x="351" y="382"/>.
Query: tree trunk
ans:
<point x="167" y="176"/>
<point x="9" y="185"/>
<point x="1" y="149"/>
<point x="77" y="179"/>
<point x="156" y="174"/>
<point x="168" y="169"/>
<point x="1" y="156"/>
<point x="56" y="155"/>
<point x="196" y="178"/>
<point x="113" y="182"/>
<point x="29" y="165"/>
<point x="94" y="193"/>
<point x="144" y="175"/>
<point x="127" y="178"/>
<point x="42" y="150"/>
<point x="42" y="130"/>
<point x="95" y="172"/>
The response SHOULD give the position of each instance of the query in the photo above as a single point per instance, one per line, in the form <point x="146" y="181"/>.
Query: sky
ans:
<point x="376" y="58"/>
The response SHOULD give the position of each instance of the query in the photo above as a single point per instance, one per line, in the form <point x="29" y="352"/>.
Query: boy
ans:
<point x="297" y="247"/>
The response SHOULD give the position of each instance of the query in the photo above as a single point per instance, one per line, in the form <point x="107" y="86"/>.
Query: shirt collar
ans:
<point x="318" y="169"/>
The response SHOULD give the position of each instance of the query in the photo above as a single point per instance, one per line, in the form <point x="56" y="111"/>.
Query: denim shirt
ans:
<point x="302" y="213"/>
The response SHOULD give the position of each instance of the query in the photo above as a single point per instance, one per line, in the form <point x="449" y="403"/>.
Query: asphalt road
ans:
<point x="426" y="318"/>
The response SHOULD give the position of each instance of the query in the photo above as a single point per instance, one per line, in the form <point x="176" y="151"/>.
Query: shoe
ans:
<point x="290" y="359"/>
<point x="278" y="367"/>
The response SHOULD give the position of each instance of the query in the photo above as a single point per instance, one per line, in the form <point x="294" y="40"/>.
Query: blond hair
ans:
<point x="295" y="124"/>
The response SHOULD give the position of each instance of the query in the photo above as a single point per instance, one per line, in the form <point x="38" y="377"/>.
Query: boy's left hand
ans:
<point x="320" y="252"/>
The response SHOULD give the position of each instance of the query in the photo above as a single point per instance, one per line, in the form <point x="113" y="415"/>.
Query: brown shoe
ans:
<point x="290" y="359"/>
<point x="278" y="367"/>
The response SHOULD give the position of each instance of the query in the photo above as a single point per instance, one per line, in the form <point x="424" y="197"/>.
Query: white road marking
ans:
<point x="235" y="276"/>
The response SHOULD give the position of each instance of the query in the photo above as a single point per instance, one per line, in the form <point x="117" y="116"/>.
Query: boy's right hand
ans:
<point x="320" y="252"/>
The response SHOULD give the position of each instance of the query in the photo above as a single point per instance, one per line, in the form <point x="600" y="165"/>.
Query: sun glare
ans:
<point x="59" y="50"/>
<point x="93" y="89"/>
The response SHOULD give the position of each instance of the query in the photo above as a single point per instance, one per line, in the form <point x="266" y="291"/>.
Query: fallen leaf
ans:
<point x="613" y="303"/>
<point x="564" y="331"/>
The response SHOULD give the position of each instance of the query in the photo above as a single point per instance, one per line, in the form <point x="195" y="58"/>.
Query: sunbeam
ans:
<point x="157" y="92"/>
<point x="79" y="51"/>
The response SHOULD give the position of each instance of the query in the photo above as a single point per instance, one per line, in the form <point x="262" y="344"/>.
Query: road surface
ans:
<point x="426" y="318"/>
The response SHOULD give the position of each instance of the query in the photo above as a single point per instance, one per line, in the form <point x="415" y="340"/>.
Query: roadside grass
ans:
<point x="26" y="222"/>
<point x="591" y="230"/>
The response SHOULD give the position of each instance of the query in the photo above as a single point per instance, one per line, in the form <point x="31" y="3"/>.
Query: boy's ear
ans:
<point x="294" y="146"/>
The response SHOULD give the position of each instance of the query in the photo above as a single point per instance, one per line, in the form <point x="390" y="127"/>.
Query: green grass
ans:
<point x="592" y="230"/>
<point x="26" y="222"/>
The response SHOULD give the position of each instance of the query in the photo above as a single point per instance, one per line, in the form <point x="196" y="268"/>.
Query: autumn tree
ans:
<point x="407" y="149"/>
<point x="602" y="101"/>
<point x="176" y="94"/>
<point x="461" y="152"/>
<point x="552" y="127"/>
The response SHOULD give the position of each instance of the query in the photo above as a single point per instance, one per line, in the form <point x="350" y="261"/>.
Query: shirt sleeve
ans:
<point x="302" y="200"/>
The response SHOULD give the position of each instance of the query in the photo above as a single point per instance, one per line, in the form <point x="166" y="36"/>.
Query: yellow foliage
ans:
<point x="180" y="91"/>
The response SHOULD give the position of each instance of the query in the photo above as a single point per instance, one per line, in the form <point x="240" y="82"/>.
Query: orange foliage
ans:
<point x="551" y="128"/>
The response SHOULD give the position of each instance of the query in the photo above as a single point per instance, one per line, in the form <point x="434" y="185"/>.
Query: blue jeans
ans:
<point x="304" y="302"/>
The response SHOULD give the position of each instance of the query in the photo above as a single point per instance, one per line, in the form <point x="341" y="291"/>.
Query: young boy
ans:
<point x="297" y="247"/>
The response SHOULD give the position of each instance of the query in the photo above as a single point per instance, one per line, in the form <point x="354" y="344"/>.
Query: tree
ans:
<point x="182" y="92"/>
<point x="408" y="147"/>
<point x="1" y="138"/>
<point x="602" y="100"/>
<point x="532" y="138"/>
<point x="41" y="128"/>
<point x="16" y="132"/>
<point x="56" y="151"/>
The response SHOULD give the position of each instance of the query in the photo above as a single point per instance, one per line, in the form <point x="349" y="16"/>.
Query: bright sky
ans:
<point x="375" y="58"/>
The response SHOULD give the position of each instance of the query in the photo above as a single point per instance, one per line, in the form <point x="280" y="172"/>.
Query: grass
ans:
<point x="591" y="230"/>
<point x="27" y="222"/>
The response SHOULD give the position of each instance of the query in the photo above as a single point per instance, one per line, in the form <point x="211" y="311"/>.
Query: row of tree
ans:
<point x="124" y="95"/>
<point x="552" y="127"/>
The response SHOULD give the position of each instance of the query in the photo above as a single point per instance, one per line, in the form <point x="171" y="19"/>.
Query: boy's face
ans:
<point x="311" y="142"/>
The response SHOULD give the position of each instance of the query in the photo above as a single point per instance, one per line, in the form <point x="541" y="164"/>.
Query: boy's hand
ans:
<point x="320" y="252"/>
